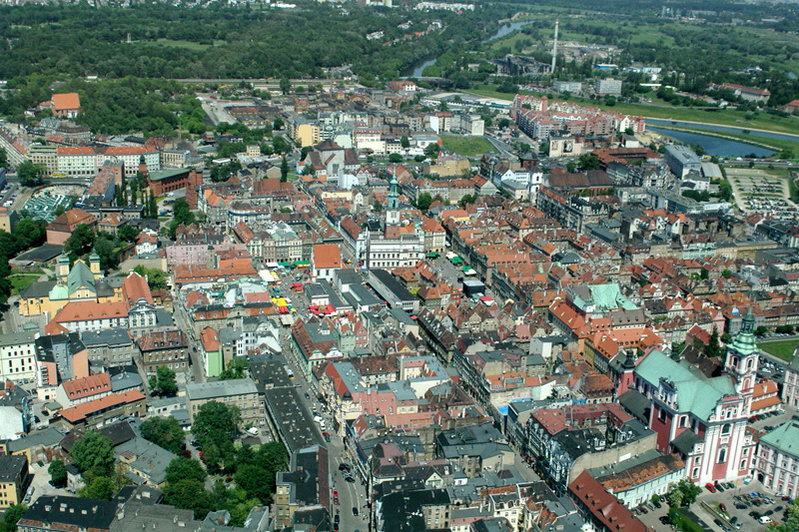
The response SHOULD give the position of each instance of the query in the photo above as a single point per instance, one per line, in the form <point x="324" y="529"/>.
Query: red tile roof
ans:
<point x="66" y="101"/>
<point x="210" y="340"/>
<point x="605" y="508"/>
<point x="90" y="310"/>
<point x="135" y="287"/>
<point x="327" y="256"/>
<point x="87" y="386"/>
<point x="80" y="412"/>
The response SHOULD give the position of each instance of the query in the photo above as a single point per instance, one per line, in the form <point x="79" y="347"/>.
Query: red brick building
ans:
<point x="170" y="180"/>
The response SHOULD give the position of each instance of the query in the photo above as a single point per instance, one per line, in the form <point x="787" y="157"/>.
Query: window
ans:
<point x="722" y="455"/>
<point x="725" y="430"/>
<point x="683" y="421"/>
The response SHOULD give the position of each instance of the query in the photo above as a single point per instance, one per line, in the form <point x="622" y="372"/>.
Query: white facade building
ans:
<point x="18" y="357"/>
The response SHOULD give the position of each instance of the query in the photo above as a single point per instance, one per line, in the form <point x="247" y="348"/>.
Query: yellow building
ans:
<point x="304" y="132"/>
<point x="14" y="480"/>
<point x="76" y="283"/>
<point x="8" y="219"/>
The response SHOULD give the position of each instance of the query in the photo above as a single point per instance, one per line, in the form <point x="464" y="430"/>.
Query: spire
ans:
<point x="748" y="323"/>
<point x="744" y="342"/>
<point x="393" y="192"/>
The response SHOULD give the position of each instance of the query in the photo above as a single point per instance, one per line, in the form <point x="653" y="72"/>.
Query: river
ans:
<point x="714" y="145"/>
<point x="503" y="30"/>
<point x="724" y="129"/>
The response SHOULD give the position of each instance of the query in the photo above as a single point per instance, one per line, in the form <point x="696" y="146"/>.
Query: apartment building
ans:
<point x="240" y="393"/>
<point x="18" y="357"/>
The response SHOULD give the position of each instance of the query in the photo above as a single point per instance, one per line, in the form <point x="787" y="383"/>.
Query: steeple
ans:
<point x="393" y="193"/>
<point x="392" y="212"/>
<point x="743" y="357"/>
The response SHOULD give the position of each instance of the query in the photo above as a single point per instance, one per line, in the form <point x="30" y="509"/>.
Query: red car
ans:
<point x="710" y="487"/>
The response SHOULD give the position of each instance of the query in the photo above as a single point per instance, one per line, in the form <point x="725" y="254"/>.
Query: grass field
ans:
<point x="20" y="282"/>
<point x="783" y="349"/>
<point x="186" y="45"/>
<point x="468" y="146"/>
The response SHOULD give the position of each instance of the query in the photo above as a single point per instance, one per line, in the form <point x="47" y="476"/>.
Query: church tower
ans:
<point x="62" y="268"/>
<point x="743" y="358"/>
<point x="392" y="212"/>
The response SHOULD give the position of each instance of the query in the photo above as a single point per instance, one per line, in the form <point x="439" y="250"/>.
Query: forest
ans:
<point x="161" y="41"/>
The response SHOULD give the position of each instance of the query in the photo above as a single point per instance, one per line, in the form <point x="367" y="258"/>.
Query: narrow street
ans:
<point x="350" y="494"/>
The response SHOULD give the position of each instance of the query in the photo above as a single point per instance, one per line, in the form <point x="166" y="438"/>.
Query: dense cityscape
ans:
<point x="399" y="266"/>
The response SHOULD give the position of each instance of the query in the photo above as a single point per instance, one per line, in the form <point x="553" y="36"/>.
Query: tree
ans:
<point x="277" y="123"/>
<point x="165" y="432"/>
<point x="760" y="330"/>
<point x="503" y="123"/>
<point x="80" y="242"/>
<point x="284" y="170"/>
<point x="279" y="145"/>
<point x="58" y="473"/>
<point x="216" y="423"/>
<point x="107" y="251"/>
<point x="432" y="150"/>
<point x="93" y="453"/>
<point x="101" y="487"/>
<point x="30" y="174"/>
<point x="726" y="273"/>
<point x="152" y="206"/>
<point x="156" y="279"/>
<point x="468" y="199"/>
<point x="11" y="517"/>
<point x="395" y="158"/>
<point x="423" y="201"/>
<point x="3" y="158"/>
<point x="128" y="233"/>
<point x="377" y="206"/>
<point x="688" y="491"/>
<point x="713" y="348"/>
<point x="405" y="142"/>
<point x="791" y="520"/>
<point x="189" y="495"/>
<point x="285" y="86"/>
<point x="185" y="469"/>
<point x="235" y="369"/>
<point x="163" y="382"/>
<point x="588" y="161"/>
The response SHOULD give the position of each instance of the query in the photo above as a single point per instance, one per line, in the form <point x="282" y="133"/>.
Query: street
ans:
<point x="350" y="494"/>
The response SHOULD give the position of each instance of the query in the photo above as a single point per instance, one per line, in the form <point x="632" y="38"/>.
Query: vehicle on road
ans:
<point x="354" y="510"/>
<point x="343" y="466"/>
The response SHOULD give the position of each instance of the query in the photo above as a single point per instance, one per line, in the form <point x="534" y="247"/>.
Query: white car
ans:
<point x="765" y="519"/>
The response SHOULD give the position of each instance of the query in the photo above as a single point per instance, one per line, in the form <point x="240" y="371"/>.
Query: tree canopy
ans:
<point x="93" y="453"/>
<point x="165" y="432"/>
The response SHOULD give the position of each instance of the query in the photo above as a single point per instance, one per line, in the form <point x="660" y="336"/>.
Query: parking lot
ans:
<point x="743" y="505"/>
<point x="756" y="190"/>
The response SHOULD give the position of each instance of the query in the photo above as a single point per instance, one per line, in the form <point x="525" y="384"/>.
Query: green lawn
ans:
<point x="468" y="146"/>
<point x="186" y="45"/>
<point x="782" y="348"/>
<point x="20" y="282"/>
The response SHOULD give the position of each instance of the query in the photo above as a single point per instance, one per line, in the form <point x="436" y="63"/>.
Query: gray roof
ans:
<point x="227" y="388"/>
<point x="17" y="338"/>
<point x="106" y="337"/>
<point x="48" y="437"/>
<point x="11" y="467"/>
<point x="685" y="441"/>
<point x="38" y="289"/>
<point x="140" y="516"/>
<point x="636" y="403"/>
<point x="147" y="457"/>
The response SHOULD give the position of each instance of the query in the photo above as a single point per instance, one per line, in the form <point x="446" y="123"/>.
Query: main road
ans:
<point x="350" y="494"/>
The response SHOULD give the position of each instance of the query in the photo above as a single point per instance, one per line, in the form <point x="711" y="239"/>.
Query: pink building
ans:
<point x="704" y="419"/>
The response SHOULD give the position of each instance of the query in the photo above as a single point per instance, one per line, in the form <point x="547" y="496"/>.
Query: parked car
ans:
<point x="354" y="510"/>
<point x="343" y="467"/>
<point x="723" y="507"/>
<point x="665" y="519"/>
<point x="719" y="486"/>
<point x="710" y="487"/>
